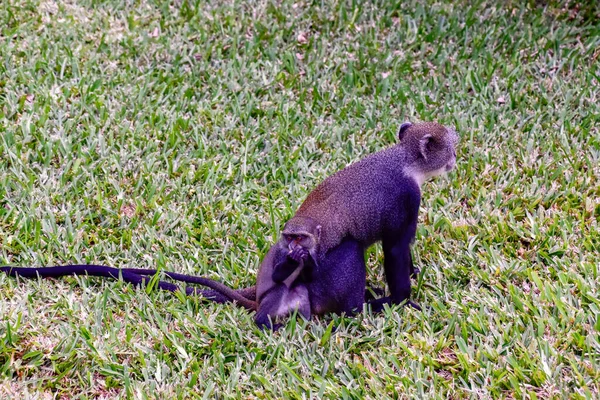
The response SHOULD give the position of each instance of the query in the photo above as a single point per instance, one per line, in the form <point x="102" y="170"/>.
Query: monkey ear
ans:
<point x="423" y="145"/>
<point x="403" y="128"/>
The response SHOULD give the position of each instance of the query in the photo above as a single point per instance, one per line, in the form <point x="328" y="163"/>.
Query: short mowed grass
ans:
<point x="181" y="135"/>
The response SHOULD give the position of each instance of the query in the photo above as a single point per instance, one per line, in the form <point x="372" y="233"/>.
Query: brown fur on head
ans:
<point x="431" y="147"/>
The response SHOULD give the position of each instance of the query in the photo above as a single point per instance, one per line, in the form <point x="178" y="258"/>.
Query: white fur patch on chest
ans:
<point x="293" y="300"/>
<point x="420" y="177"/>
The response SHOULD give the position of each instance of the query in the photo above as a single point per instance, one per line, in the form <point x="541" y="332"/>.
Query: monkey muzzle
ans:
<point x="294" y="243"/>
<point x="451" y="164"/>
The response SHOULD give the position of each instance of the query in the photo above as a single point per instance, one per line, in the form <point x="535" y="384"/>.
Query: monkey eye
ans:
<point x="294" y="238"/>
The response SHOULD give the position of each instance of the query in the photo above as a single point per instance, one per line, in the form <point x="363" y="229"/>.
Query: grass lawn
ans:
<point x="182" y="134"/>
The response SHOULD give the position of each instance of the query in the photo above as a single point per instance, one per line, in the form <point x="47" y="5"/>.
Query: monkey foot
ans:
<point x="415" y="273"/>
<point x="412" y="304"/>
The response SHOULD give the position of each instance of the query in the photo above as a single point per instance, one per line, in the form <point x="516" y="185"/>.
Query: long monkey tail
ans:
<point x="91" y="270"/>
<point x="130" y="275"/>
<point x="217" y="286"/>
<point x="215" y="294"/>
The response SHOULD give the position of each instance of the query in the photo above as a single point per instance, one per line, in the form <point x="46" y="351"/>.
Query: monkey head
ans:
<point x="304" y="232"/>
<point x="431" y="149"/>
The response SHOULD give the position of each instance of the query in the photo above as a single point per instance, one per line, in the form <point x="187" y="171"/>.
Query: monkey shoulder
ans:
<point x="404" y="200"/>
<point x="389" y="189"/>
<point x="407" y="188"/>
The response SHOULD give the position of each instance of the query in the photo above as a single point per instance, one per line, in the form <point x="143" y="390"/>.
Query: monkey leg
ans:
<point x="339" y="280"/>
<point x="397" y="264"/>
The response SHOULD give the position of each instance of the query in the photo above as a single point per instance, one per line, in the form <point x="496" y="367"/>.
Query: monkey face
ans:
<point x="452" y="162"/>
<point x="301" y="232"/>
<point x="303" y="240"/>
<point x="446" y="161"/>
<point x="433" y="146"/>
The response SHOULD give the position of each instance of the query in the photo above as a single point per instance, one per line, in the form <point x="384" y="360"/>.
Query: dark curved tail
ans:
<point x="91" y="270"/>
<point x="217" y="294"/>
<point x="220" y="293"/>
<point x="137" y="276"/>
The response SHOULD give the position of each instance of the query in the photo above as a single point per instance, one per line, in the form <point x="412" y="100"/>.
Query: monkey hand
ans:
<point x="298" y="254"/>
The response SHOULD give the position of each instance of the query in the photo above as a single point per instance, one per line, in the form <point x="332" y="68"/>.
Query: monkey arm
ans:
<point x="284" y="269"/>
<point x="308" y="270"/>
<point x="396" y="241"/>
<point x="398" y="265"/>
<point x="301" y="258"/>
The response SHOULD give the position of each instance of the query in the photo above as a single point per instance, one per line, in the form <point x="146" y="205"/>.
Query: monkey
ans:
<point x="374" y="199"/>
<point x="340" y="287"/>
<point x="285" y="270"/>
<point x="378" y="199"/>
